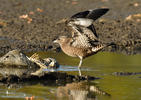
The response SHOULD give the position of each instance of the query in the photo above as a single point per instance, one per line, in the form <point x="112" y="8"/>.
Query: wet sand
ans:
<point x="30" y="25"/>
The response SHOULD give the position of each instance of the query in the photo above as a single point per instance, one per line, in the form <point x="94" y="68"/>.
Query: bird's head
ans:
<point x="60" y="40"/>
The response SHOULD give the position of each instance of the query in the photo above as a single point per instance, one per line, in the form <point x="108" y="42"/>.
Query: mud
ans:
<point x="30" y="25"/>
<point x="16" y="67"/>
<point x="126" y="73"/>
<point x="46" y="79"/>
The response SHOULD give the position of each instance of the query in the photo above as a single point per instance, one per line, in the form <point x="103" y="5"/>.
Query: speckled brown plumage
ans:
<point x="84" y="41"/>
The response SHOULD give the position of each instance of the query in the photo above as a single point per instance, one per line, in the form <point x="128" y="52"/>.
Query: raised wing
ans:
<point x="91" y="14"/>
<point x="86" y="18"/>
<point x="81" y="14"/>
<point x="85" y="24"/>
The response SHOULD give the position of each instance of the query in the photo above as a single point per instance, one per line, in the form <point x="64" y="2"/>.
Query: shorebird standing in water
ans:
<point x="84" y="41"/>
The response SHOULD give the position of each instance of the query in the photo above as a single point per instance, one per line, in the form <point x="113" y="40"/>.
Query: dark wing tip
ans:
<point x="91" y="14"/>
<point x="96" y="13"/>
<point x="104" y="10"/>
<point x="80" y="14"/>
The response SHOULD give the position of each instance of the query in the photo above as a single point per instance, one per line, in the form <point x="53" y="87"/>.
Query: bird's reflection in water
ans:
<point x="79" y="91"/>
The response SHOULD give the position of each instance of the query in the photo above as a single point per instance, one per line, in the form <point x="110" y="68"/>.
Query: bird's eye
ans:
<point x="7" y="56"/>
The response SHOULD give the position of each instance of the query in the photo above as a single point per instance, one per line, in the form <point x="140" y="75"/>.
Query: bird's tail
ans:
<point x="101" y="46"/>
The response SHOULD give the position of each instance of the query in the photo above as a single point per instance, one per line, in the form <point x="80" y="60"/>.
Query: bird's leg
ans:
<point x="80" y="63"/>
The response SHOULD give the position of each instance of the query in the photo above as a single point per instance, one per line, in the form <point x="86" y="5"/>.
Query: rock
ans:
<point x="16" y="63"/>
<point x="15" y="57"/>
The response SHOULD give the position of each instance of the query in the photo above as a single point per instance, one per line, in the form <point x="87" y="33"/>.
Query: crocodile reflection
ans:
<point x="79" y="91"/>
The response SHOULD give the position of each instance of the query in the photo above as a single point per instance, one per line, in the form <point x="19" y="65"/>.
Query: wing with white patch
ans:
<point x="91" y="14"/>
<point x="86" y="18"/>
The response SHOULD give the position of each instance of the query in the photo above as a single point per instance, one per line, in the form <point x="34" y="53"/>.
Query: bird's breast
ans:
<point x="76" y="52"/>
<point x="70" y="51"/>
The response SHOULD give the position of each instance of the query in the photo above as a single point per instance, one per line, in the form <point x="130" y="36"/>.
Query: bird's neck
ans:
<point x="65" y="46"/>
<point x="66" y="42"/>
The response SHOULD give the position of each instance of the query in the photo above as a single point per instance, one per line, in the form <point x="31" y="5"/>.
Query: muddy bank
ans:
<point x="32" y="28"/>
<point x="46" y="79"/>
<point x="16" y="67"/>
<point x="126" y="73"/>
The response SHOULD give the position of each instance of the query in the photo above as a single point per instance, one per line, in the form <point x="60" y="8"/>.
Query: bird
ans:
<point x="84" y="41"/>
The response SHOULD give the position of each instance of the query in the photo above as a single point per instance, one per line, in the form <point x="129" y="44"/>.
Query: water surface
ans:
<point x="102" y="65"/>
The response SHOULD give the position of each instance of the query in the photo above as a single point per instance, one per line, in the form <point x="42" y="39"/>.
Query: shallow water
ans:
<point x="103" y="65"/>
